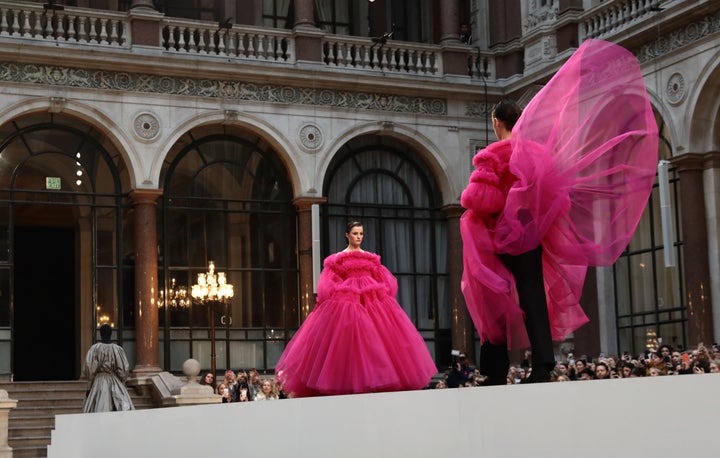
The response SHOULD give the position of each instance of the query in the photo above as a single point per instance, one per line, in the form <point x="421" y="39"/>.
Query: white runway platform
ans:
<point x="675" y="416"/>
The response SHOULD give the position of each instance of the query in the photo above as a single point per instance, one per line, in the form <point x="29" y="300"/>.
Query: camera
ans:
<point x="454" y="354"/>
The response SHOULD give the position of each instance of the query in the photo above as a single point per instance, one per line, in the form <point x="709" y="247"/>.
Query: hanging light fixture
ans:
<point x="177" y="297"/>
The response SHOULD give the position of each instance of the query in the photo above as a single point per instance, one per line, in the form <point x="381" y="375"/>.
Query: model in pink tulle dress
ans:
<point x="358" y="339"/>
<point x="570" y="185"/>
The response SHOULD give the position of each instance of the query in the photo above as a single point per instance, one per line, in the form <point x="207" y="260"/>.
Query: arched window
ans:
<point x="648" y="296"/>
<point x="61" y="243"/>
<point x="385" y="184"/>
<point x="227" y="199"/>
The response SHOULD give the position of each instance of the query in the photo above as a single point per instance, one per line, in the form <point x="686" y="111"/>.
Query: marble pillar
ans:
<point x="449" y="22"/>
<point x="697" y="299"/>
<point x="304" y="13"/>
<point x="305" y="261"/>
<point x="462" y="328"/>
<point x="146" y="282"/>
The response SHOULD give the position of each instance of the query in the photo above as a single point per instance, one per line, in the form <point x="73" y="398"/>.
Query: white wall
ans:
<point x="661" y="416"/>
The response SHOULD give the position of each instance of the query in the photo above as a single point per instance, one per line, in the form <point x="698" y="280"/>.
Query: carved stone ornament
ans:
<point x="146" y="126"/>
<point x="311" y="137"/>
<point x="676" y="89"/>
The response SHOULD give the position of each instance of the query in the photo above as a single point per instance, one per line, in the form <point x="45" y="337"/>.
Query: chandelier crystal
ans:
<point x="212" y="286"/>
<point x="177" y="297"/>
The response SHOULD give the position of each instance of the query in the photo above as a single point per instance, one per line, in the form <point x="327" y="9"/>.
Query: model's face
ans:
<point x="355" y="237"/>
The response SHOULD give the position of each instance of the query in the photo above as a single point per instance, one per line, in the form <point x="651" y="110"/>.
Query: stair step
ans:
<point x="32" y="421"/>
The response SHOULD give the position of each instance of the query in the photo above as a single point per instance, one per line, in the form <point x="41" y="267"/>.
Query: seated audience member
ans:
<point x="224" y="391"/>
<point x="268" y="391"/>
<point x="602" y="371"/>
<point x="460" y="372"/>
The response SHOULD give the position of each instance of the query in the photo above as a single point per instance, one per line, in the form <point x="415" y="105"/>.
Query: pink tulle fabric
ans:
<point x="575" y="178"/>
<point x="358" y="339"/>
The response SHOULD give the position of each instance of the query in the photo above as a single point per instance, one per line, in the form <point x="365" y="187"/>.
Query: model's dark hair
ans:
<point x="351" y="224"/>
<point x="508" y="112"/>
<point x="105" y="333"/>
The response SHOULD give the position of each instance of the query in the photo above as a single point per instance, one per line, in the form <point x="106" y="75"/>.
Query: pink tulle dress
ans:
<point x="575" y="178"/>
<point x="358" y="339"/>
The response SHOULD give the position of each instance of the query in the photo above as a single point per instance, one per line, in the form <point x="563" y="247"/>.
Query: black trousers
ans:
<point x="526" y="268"/>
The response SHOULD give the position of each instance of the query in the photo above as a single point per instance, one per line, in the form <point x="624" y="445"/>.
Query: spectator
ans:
<point x="244" y="392"/>
<point x="224" y="391"/>
<point x="255" y="383"/>
<point x="465" y="34"/>
<point x="268" y="391"/>
<point x="460" y="372"/>
<point x="231" y="383"/>
<point x="602" y="371"/>
<point x="208" y="379"/>
<point x="586" y="374"/>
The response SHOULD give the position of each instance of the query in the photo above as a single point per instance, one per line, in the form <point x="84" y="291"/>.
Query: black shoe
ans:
<point x="538" y="375"/>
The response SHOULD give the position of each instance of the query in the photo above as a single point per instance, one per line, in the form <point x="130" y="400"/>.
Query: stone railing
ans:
<point x="612" y="17"/>
<point x="72" y="25"/>
<point x="244" y="42"/>
<point x="382" y="56"/>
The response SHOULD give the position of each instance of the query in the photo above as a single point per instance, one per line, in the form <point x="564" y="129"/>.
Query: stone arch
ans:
<point x="89" y="115"/>
<point x="429" y="152"/>
<point x="262" y="128"/>
<point x="704" y="109"/>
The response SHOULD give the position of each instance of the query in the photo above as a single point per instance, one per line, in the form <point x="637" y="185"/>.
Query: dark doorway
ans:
<point x="44" y="304"/>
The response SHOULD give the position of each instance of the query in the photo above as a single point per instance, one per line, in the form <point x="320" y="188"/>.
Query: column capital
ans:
<point x="696" y="161"/>
<point x="453" y="210"/>
<point x="146" y="196"/>
<point x="304" y="203"/>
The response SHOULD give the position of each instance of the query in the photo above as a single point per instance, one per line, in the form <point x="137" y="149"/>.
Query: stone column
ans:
<point x="305" y="261"/>
<point x="449" y="22"/>
<point x="6" y="404"/>
<point x="690" y="167"/>
<point x="462" y="328"/>
<point x="304" y="13"/>
<point x="146" y="282"/>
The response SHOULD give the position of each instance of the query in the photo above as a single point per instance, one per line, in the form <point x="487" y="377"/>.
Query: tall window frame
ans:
<point x="228" y="199"/>
<point x="383" y="182"/>
<point x="649" y="305"/>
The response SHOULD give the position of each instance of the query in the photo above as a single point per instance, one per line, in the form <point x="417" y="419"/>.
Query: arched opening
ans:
<point x="381" y="181"/>
<point x="228" y="199"/>
<point x="60" y="230"/>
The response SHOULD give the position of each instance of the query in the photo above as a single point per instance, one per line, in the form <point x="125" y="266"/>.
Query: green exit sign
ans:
<point x="52" y="183"/>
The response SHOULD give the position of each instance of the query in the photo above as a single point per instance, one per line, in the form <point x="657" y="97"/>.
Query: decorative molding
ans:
<point x="311" y="137"/>
<point x="678" y="38"/>
<point x="226" y="89"/>
<point x="57" y="104"/>
<point x="676" y="89"/>
<point x="146" y="126"/>
<point x="478" y="109"/>
<point x="540" y="15"/>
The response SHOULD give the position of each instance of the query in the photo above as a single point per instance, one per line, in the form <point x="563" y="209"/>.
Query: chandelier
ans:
<point x="212" y="286"/>
<point x="211" y="289"/>
<point x="177" y="297"/>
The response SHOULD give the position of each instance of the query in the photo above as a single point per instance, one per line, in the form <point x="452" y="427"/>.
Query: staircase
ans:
<point x="33" y="419"/>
